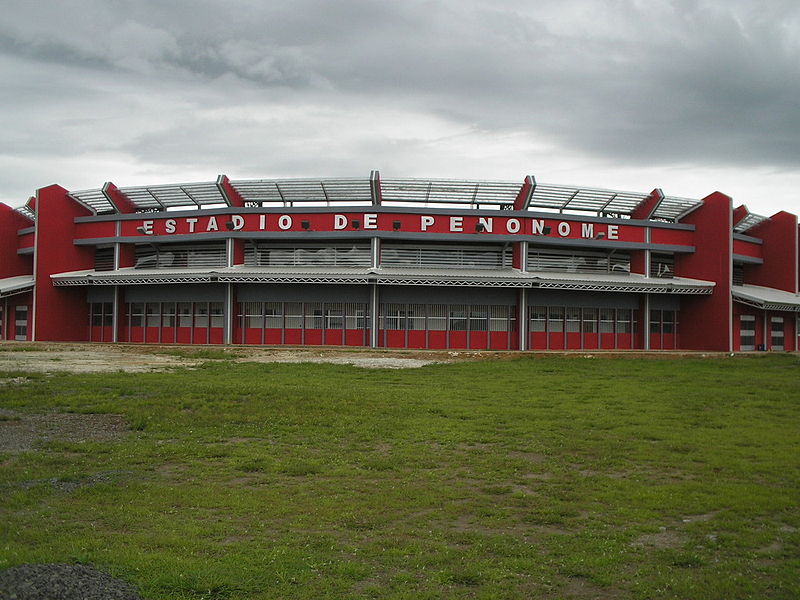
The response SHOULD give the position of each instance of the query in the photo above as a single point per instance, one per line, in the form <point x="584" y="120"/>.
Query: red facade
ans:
<point x="398" y="264"/>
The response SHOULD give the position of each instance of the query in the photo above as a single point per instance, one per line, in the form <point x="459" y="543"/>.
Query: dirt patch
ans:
<point x="89" y="361"/>
<point x="363" y="360"/>
<point x="20" y="432"/>
<point x="665" y="538"/>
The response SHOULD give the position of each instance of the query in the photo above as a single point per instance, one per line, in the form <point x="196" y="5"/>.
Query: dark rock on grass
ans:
<point x="62" y="582"/>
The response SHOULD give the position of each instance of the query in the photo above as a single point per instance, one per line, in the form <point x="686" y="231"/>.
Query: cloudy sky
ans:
<point x="690" y="96"/>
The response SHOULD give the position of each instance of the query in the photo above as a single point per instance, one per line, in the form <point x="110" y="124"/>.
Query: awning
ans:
<point x="592" y="282"/>
<point x="620" y="282"/>
<point x="15" y="285"/>
<point x="766" y="298"/>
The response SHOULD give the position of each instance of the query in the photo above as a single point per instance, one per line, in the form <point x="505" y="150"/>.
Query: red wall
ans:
<point x="12" y="264"/>
<point x="779" y="249"/>
<point x="60" y="314"/>
<point x="706" y="319"/>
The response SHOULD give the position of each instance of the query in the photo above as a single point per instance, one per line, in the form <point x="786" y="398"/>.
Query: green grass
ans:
<point x="535" y="477"/>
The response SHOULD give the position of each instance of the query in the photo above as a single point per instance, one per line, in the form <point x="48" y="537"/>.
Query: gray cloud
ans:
<point x="303" y="85"/>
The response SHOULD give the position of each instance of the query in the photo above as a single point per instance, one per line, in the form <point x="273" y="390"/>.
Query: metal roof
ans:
<point x="27" y="212"/>
<point x="161" y="197"/>
<point x="766" y="298"/>
<point x="15" y="285"/>
<point x="751" y="220"/>
<point x="286" y="192"/>
<point x="449" y="191"/>
<point x="397" y="191"/>
<point x="96" y="200"/>
<point x="563" y="198"/>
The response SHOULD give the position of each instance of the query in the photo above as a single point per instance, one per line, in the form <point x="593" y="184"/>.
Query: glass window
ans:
<point x="590" y="320"/>
<point x="416" y="317"/>
<point x="136" y="311"/>
<point x="655" y="321"/>
<point x="313" y="315"/>
<point x="217" y="314"/>
<point x="334" y="316"/>
<point x="273" y="315"/>
<point x="458" y="317"/>
<point x="294" y="315"/>
<point x="669" y="321"/>
<point x="498" y="318"/>
<point x="573" y="317"/>
<point x="153" y="314"/>
<point x="184" y="314"/>
<point x="168" y="314"/>
<point x="437" y="317"/>
<point x="201" y="314"/>
<point x="538" y="318"/>
<point x="555" y="319"/>
<point x="606" y="320"/>
<point x="478" y="318"/>
<point x="624" y="320"/>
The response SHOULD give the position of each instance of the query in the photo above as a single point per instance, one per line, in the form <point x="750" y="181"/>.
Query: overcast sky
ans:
<point x="689" y="96"/>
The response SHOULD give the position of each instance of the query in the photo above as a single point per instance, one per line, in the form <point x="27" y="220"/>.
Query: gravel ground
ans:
<point x="23" y="431"/>
<point x="62" y="582"/>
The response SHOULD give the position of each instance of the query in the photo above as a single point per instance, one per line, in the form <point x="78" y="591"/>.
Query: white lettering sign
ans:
<point x="613" y="232"/>
<point x="564" y="229"/>
<point x="426" y="222"/>
<point x="512" y="225"/>
<point x="339" y="221"/>
<point x="370" y="221"/>
<point x="285" y="222"/>
<point x="456" y="223"/>
<point x="170" y="226"/>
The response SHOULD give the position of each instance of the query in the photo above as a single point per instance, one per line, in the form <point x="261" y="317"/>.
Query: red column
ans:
<point x="779" y="248"/>
<point x="705" y="321"/>
<point x="11" y="263"/>
<point x="60" y="314"/>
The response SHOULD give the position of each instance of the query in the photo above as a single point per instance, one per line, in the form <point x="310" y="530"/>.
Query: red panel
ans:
<point x="416" y="339"/>
<point x="395" y="338"/>
<point x="676" y="237"/>
<point x="458" y="339"/>
<point x="624" y="341"/>
<point x="11" y="263"/>
<point x="779" y="249"/>
<point x="747" y="249"/>
<point x="216" y="335"/>
<point x="479" y="340"/>
<point x="556" y="341"/>
<point x="274" y="337"/>
<point x="168" y="335"/>
<point x="200" y="335"/>
<point x="184" y="335"/>
<point x="102" y="229"/>
<point x="334" y="337"/>
<point x="253" y="336"/>
<point x="95" y="334"/>
<point x="656" y="343"/>
<point x="574" y="340"/>
<point x="590" y="341"/>
<point x="25" y="241"/>
<point x="313" y="337"/>
<point x="136" y="335"/>
<point x="711" y="261"/>
<point x="151" y="334"/>
<point x="355" y="337"/>
<point x="668" y="341"/>
<point x="498" y="340"/>
<point x="437" y="340"/>
<point x="56" y="212"/>
<point x="607" y="341"/>
<point x="538" y="341"/>
<point x="291" y="336"/>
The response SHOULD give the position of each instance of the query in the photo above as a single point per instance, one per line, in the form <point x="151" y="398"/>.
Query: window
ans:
<point x="607" y="320"/>
<point x="589" y="320"/>
<point x="184" y="314"/>
<point x="747" y="333"/>
<point x="478" y="318"/>
<point x="458" y="317"/>
<point x="538" y="319"/>
<point x="555" y="319"/>
<point x="168" y="314"/>
<point x="776" y="333"/>
<point x="273" y="315"/>
<point x="217" y="314"/>
<point x="21" y="323"/>
<point x="136" y="312"/>
<point x="153" y="314"/>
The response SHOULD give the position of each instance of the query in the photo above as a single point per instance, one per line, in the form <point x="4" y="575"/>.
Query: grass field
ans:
<point x="537" y="477"/>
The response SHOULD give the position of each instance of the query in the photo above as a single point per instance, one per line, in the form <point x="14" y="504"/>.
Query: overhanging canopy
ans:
<point x="766" y="298"/>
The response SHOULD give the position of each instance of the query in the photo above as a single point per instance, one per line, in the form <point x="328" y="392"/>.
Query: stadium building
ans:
<point x="398" y="263"/>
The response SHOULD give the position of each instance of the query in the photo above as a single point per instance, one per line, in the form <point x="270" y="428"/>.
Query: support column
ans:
<point x="646" y="321"/>
<point x="373" y="316"/>
<point x="522" y="318"/>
